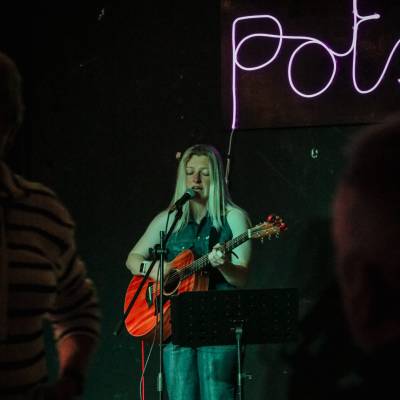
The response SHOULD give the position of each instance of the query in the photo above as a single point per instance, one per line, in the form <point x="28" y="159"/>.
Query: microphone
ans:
<point x="188" y="195"/>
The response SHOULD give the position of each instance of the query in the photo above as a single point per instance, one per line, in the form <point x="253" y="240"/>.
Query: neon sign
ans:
<point x="305" y="41"/>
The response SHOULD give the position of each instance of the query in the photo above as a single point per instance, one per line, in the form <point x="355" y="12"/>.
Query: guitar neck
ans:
<point x="203" y="261"/>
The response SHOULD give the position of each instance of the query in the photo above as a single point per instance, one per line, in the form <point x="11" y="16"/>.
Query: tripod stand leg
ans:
<point x="239" y="388"/>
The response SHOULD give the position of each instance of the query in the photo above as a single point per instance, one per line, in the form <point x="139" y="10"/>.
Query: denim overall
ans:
<point x="206" y="372"/>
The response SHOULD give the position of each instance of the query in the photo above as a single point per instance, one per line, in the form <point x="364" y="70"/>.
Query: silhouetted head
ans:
<point x="367" y="235"/>
<point x="11" y="103"/>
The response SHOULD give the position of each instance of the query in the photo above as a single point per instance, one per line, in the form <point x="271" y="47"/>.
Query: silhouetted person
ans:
<point x="350" y="341"/>
<point x="367" y="240"/>
<point x="41" y="276"/>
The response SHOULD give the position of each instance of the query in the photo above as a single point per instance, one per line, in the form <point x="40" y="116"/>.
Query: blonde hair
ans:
<point x="219" y="198"/>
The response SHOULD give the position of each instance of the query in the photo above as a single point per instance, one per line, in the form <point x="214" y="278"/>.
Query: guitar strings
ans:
<point x="230" y="245"/>
<point x="176" y="274"/>
<point x="203" y="260"/>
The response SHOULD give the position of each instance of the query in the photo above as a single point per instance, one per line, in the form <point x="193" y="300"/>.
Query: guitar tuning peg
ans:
<point x="271" y="218"/>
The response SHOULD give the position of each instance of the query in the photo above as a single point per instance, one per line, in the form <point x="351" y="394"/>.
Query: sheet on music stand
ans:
<point x="211" y="317"/>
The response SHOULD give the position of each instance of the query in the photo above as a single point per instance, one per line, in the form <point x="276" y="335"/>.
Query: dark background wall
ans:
<point x="113" y="91"/>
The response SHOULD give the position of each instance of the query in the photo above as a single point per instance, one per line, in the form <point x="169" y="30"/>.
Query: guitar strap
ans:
<point x="214" y="275"/>
<point x="212" y="238"/>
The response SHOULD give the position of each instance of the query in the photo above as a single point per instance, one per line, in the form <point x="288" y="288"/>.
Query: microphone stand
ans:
<point x="162" y="253"/>
<point x="159" y="250"/>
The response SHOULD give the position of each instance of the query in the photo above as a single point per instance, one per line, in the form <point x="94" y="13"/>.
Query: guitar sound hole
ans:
<point x="171" y="281"/>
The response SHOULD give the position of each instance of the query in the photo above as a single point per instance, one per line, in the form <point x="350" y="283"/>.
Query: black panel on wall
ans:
<point x="309" y="63"/>
<point x="293" y="173"/>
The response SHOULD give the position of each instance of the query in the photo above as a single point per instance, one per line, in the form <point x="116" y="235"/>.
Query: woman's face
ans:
<point x="198" y="176"/>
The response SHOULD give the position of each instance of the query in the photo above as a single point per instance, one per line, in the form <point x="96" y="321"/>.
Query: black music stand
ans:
<point x="219" y="317"/>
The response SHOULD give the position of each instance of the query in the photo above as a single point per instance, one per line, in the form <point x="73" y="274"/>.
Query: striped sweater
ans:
<point x="41" y="277"/>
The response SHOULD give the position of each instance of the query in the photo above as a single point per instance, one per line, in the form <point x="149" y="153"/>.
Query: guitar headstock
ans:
<point x="272" y="226"/>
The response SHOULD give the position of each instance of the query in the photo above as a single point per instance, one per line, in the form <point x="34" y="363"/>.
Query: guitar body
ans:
<point x="186" y="275"/>
<point x="143" y="319"/>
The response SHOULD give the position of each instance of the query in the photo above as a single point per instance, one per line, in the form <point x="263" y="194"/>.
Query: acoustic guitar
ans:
<point x="187" y="274"/>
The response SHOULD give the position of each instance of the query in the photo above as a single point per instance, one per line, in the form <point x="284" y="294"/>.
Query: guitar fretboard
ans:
<point x="203" y="261"/>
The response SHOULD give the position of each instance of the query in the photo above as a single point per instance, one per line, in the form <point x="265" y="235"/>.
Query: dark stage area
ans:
<point x="113" y="90"/>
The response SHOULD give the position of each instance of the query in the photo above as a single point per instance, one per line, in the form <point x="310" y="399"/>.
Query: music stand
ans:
<point x="220" y="317"/>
